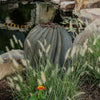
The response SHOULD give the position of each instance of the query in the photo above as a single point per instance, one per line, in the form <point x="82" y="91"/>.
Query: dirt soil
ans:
<point x="91" y="92"/>
<point x="5" y="91"/>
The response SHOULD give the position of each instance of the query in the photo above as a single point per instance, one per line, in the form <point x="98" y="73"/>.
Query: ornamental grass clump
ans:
<point x="92" y="58"/>
<point x="89" y="57"/>
<point x="60" y="83"/>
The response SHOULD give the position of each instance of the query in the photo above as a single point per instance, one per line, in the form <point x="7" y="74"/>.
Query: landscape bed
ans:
<point x="49" y="73"/>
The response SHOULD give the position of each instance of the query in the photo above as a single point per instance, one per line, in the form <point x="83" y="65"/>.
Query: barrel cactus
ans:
<point x="48" y="34"/>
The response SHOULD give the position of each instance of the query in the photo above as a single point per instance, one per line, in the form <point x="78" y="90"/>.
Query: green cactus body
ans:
<point x="55" y="36"/>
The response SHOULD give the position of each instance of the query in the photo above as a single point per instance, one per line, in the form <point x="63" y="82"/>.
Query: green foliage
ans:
<point x="89" y="57"/>
<point x="93" y="60"/>
<point x="60" y="83"/>
<point x="73" y="24"/>
<point x="39" y="96"/>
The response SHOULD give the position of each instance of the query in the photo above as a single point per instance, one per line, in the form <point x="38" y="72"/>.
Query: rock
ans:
<point x="13" y="53"/>
<point x="89" y="14"/>
<point x="94" y="5"/>
<point x="90" y="31"/>
<point x="42" y="13"/>
<point x="24" y="2"/>
<point x="12" y="1"/>
<point x="11" y="62"/>
<point x="56" y="1"/>
<point x="9" y="67"/>
<point x="13" y="6"/>
<point x="8" y="20"/>
<point x="3" y="2"/>
<point x="67" y="5"/>
<point x="54" y="36"/>
<point x="84" y="4"/>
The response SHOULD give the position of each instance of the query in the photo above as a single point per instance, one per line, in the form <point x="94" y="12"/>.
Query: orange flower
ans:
<point x="40" y="88"/>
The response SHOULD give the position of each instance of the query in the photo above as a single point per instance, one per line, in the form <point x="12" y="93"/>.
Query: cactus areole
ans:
<point x="55" y="39"/>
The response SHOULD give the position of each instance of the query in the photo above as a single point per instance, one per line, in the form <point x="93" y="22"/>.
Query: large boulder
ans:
<point x="68" y="5"/>
<point x="11" y="62"/>
<point x="65" y="5"/>
<point x="56" y="1"/>
<point x="12" y="54"/>
<point x="89" y="14"/>
<point x="82" y="4"/>
<point x="13" y="6"/>
<point x="42" y="13"/>
<point x="90" y="31"/>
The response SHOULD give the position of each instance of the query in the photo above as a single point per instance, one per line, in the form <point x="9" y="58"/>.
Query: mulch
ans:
<point x="5" y="91"/>
<point x="92" y="92"/>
